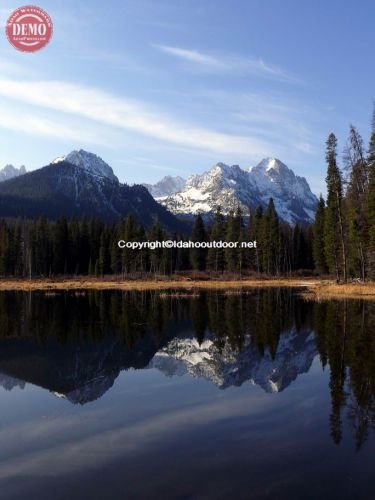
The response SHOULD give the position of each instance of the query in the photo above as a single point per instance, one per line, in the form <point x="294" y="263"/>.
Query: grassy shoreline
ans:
<point x="313" y="288"/>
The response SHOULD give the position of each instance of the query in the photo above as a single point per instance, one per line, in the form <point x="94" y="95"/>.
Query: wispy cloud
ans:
<point x="192" y="56"/>
<point x="226" y="62"/>
<point x="41" y="126"/>
<point x="122" y="113"/>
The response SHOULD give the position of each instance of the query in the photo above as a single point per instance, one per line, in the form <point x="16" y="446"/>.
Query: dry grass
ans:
<point x="188" y="285"/>
<point x="311" y="288"/>
<point x="340" y="291"/>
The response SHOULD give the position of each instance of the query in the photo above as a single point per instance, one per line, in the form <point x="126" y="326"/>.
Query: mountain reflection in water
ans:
<point x="76" y="345"/>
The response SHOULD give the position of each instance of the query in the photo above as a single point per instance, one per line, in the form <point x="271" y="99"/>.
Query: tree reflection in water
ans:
<point x="76" y="344"/>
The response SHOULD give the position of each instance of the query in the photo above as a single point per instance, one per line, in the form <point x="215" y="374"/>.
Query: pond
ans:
<point x="256" y="393"/>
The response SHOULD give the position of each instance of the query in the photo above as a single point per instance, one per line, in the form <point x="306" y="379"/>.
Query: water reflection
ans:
<point x="345" y="340"/>
<point x="76" y="345"/>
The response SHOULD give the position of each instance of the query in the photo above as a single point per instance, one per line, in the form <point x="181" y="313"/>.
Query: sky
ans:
<point x="171" y="87"/>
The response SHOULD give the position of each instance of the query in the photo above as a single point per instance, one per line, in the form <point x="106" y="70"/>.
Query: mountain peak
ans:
<point x="166" y="186"/>
<point x="221" y="165"/>
<point x="89" y="162"/>
<point x="268" y="164"/>
<point x="221" y="168"/>
<point x="9" y="171"/>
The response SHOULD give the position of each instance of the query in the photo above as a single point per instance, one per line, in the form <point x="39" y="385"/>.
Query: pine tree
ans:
<point x="94" y="232"/>
<point x="271" y="240"/>
<point x="129" y="231"/>
<point x="60" y="246"/>
<point x="74" y="247"/>
<point x="356" y="163"/>
<point x="232" y="234"/>
<point x="102" y="259"/>
<point x="18" y="250"/>
<point x="370" y="205"/>
<point x="318" y="238"/>
<point x="142" y="256"/>
<point x="242" y="253"/>
<point x="299" y="248"/>
<point x="115" y="251"/>
<point x="156" y="256"/>
<point x="199" y="255"/>
<point x="371" y="193"/>
<point x="215" y="256"/>
<point x="334" y="229"/>
<point x="84" y="247"/>
<point x="258" y="236"/>
<point x="355" y="203"/>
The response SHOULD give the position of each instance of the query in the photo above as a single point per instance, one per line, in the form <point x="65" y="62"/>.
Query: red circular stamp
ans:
<point x="29" y="28"/>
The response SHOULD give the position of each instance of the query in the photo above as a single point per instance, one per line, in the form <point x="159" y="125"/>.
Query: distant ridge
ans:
<point x="9" y="172"/>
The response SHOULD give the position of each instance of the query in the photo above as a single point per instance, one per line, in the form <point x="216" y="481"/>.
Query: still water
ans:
<point x="209" y="395"/>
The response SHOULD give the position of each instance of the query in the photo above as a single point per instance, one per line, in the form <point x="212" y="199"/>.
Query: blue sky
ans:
<point x="174" y="86"/>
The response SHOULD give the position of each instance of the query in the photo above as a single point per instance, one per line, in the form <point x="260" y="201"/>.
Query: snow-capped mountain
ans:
<point x="168" y="185"/>
<point x="228" y="367"/>
<point x="9" y="171"/>
<point x="90" y="162"/>
<point x="292" y="195"/>
<point x="231" y="186"/>
<point x="81" y="184"/>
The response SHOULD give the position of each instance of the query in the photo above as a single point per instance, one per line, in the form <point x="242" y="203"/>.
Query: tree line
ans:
<point x="344" y="226"/>
<point x="45" y="248"/>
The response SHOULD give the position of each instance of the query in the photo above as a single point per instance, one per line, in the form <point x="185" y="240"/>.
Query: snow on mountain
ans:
<point x="228" y="367"/>
<point x="292" y="195"/>
<point x="59" y="159"/>
<point x="166" y="186"/>
<point x="231" y="186"/>
<point x="89" y="162"/>
<point x="9" y="171"/>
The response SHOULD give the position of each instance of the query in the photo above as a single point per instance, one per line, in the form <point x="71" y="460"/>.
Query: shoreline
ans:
<point x="312" y="288"/>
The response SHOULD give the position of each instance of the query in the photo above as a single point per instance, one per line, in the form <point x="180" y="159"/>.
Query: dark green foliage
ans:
<point x="271" y="240"/>
<point x="216" y="256"/>
<point x="257" y="233"/>
<point x="199" y="255"/>
<point x="345" y="340"/>
<point x="232" y="234"/>
<point x="90" y="247"/>
<point x="334" y="224"/>
<point x="371" y="194"/>
<point x="356" y="200"/>
<point x="349" y="215"/>
<point x="318" y="238"/>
